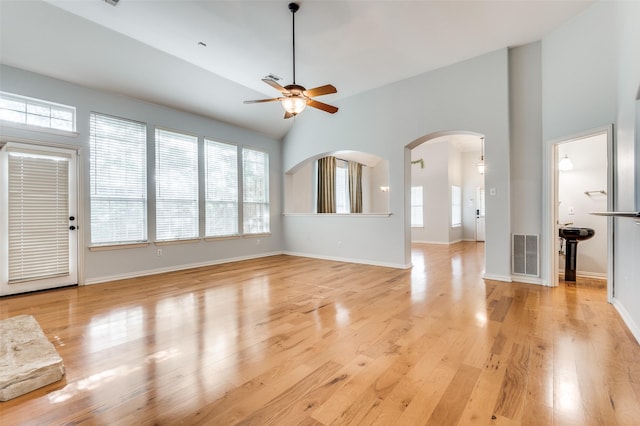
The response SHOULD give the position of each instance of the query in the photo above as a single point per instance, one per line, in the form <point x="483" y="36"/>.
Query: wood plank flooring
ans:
<point x="295" y="341"/>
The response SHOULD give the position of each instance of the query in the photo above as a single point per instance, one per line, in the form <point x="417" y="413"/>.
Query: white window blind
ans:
<point x="255" y="173"/>
<point x="342" y="187"/>
<point x="36" y="112"/>
<point x="456" y="206"/>
<point x="118" y="163"/>
<point x="221" y="195"/>
<point x="176" y="186"/>
<point x="38" y="196"/>
<point x="417" y="208"/>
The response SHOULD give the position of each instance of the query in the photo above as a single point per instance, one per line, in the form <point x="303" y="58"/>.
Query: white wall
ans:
<point x="525" y="98"/>
<point x="112" y="264"/>
<point x="591" y="78"/>
<point x="434" y="179"/>
<point x="471" y="95"/>
<point x="589" y="158"/>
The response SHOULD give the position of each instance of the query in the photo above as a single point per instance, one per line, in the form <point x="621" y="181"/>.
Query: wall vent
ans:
<point x="525" y="259"/>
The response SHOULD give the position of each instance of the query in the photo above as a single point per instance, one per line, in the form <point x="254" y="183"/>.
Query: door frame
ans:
<point x="550" y="204"/>
<point x="79" y="190"/>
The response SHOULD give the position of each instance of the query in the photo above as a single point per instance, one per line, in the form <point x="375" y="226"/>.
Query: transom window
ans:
<point x="37" y="112"/>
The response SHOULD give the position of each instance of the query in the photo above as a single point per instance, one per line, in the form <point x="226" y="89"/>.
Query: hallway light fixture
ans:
<point x="565" y="164"/>
<point x="480" y="165"/>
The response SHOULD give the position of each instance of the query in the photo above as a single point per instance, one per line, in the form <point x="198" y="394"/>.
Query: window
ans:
<point x="176" y="186"/>
<point x="456" y="206"/>
<point x="36" y="112"/>
<point x="221" y="194"/>
<point x="255" y="173"/>
<point x="417" y="215"/>
<point x="342" y="187"/>
<point x="118" y="180"/>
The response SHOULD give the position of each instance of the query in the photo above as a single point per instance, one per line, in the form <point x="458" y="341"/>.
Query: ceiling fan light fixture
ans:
<point x="294" y="104"/>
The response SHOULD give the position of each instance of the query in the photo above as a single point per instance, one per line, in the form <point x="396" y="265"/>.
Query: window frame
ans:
<point x="267" y="193"/>
<point x="414" y="205"/>
<point x="179" y="200"/>
<point x="143" y="190"/>
<point x="34" y="104"/>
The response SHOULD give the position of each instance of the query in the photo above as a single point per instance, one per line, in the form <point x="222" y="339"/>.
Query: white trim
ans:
<point x="495" y="277"/>
<point x="349" y="260"/>
<point x="627" y="319"/>
<point x="549" y="259"/>
<point x="31" y="127"/>
<point x="136" y="274"/>
<point x="527" y="279"/>
<point x="441" y="243"/>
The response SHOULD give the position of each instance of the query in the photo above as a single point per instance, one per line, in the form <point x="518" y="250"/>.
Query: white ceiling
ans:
<point x="149" y="49"/>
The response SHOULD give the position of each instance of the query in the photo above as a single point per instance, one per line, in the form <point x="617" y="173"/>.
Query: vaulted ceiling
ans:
<point x="153" y="50"/>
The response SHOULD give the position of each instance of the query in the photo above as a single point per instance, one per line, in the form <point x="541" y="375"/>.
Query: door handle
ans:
<point x="72" y="228"/>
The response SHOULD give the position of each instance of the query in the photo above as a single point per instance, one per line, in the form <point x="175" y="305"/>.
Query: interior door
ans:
<point x="480" y="231"/>
<point x="38" y="218"/>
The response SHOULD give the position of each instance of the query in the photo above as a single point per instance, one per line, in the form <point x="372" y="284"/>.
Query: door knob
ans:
<point x="72" y="227"/>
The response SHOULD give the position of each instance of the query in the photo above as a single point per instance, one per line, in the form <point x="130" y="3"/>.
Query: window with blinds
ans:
<point x="255" y="173"/>
<point x="221" y="189"/>
<point x="118" y="180"/>
<point x="36" y="112"/>
<point x="38" y="216"/>
<point x="176" y="186"/>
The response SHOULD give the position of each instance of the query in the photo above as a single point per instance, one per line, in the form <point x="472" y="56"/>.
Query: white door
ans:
<point x="38" y="218"/>
<point x="480" y="234"/>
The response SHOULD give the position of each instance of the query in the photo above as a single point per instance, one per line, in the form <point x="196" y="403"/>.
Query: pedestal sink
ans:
<point x="572" y="235"/>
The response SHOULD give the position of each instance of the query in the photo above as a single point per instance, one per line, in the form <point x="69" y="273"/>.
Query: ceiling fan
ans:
<point x="294" y="97"/>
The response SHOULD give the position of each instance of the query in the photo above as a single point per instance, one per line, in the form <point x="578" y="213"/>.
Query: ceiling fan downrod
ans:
<point x="293" y="7"/>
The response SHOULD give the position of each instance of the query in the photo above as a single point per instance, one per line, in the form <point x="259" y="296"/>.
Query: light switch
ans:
<point x="492" y="191"/>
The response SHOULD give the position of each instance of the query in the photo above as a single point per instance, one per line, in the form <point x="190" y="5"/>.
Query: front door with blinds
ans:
<point x="38" y="218"/>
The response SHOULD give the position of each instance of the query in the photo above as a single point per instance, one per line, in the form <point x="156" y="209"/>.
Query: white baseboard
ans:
<point x="348" y="260"/>
<point x="107" y="278"/>
<point x="586" y="274"/>
<point x="505" y="278"/>
<point x="528" y="280"/>
<point x="628" y="320"/>
<point x="429" y="242"/>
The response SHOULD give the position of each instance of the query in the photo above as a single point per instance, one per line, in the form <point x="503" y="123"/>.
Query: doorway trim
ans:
<point x="550" y="202"/>
<point x="80" y="186"/>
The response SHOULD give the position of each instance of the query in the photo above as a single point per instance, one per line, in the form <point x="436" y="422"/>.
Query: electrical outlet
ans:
<point x="572" y="211"/>
<point x="258" y="242"/>
<point x="159" y="252"/>
<point x="339" y="243"/>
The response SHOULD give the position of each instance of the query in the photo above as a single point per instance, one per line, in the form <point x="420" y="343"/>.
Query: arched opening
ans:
<point x="300" y="182"/>
<point x="446" y="194"/>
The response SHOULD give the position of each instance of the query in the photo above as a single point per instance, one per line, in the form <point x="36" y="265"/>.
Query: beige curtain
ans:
<point x="355" y="187"/>
<point x="327" y="185"/>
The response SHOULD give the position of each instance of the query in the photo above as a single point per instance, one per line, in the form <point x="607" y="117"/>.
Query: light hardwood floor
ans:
<point x="287" y="340"/>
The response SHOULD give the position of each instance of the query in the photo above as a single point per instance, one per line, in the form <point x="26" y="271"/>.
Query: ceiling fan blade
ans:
<point x="325" y="107"/>
<point x="319" y="91"/>
<point x="287" y="114"/>
<point x="257" y="101"/>
<point x="275" y="85"/>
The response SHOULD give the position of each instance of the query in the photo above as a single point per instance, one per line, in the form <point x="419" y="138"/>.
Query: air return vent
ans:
<point x="525" y="259"/>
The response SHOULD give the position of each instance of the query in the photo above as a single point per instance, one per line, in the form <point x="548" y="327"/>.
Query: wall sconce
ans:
<point x="565" y="164"/>
<point x="384" y="188"/>
<point x="480" y="165"/>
